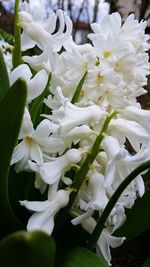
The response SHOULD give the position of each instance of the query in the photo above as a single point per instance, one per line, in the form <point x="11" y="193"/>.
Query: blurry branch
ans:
<point x="95" y="11"/>
<point x="144" y="8"/>
<point x="113" y="6"/>
<point x="87" y="10"/>
<point x="2" y="9"/>
<point x="59" y="4"/>
<point x="6" y="19"/>
<point x="84" y="4"/>
<point x="70" y="9"/>
<point x="147" y="17"/>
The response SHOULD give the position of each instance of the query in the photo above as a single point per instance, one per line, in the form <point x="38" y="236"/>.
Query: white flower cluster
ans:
<point x="114" y="67"/>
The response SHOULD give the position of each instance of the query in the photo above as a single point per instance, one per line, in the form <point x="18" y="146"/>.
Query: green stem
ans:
<point x="81" y="174"/>
<point x="17" y="59"/>
<point x="113" y="200"/>
<point x="78" y="89"/>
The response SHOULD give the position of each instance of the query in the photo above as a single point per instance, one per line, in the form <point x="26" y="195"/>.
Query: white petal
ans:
<point x="35" y="205"/>
<point x="82" y="218"/>
<point x="111" y="146"/>
<point x="110" y="174"/>
<point x="43" y="130"/>
<point x="26" y="42"/>
<point x="52" y="171"/>
<point x="50" y="24"/>
<point x="39" y="183"/>
<point x="52" y="144"/>
<point x="39" y="62"/>
<point x="20" y="152"/>
<point x="36" y="153"/>
<point x="129" y="129"/>
<point x="22" y="71"/>
<point x="37" y="85"/>
<point x="103" y="250"/>
<point x="115" y="242"/>
<point x="27" y="125"/>
<point x="140" y="185"/>
<point x="41" y="221"/>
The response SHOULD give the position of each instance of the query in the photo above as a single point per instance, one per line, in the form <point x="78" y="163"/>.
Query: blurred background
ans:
<point x="83" y="12"/>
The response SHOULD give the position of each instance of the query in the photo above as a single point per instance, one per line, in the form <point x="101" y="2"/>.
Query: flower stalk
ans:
<point x="17" y="58"/>
<point x="82" y="173"/>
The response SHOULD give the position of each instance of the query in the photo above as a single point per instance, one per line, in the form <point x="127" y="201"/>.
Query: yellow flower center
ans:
<point x="29" y="140"/>
<point x="100" y="78"/>
<point x="106" y="53"/>
<point x="118" y="66"/>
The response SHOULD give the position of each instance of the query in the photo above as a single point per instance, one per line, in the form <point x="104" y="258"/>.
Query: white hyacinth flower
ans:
<point x="132" y="130"/>
<point x="96" y="192"/>
<point x="45" y="211"/>
<point x="122" y="49"/>
<point x="139" y="115"/>
<point x="70" y="116"/>
<point x="105" y="241"/>
<point x="35" y="85"/>
<point x="42" y="35"/>
<point x="36" y="8"/>
<point x="34" y="143"/>
<point x="74" y="136"/>
<point x="53" y="170"/>
<point x="121" y="163"/>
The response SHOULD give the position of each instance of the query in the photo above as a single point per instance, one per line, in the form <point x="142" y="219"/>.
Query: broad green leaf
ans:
<point x="81" y="257"/>
<point x="23" y="249"/>
<point x="4" y="80"/>
<point x="11" y="114"/>
<point x="21" y="186"/>
<point x="146" y="263"/>
<point x="138" y="218"/>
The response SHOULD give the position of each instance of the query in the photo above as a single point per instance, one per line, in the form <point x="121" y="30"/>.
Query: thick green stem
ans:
<point x="81" y="174"/>
<point x="17" y="59"/>
<point x="113" y="200"/>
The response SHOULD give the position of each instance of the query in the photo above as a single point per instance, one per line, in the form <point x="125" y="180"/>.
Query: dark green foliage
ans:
<point x="22" y="249"/>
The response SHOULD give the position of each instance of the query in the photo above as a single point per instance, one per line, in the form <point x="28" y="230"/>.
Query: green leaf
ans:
<point x="138" y="218"/>
<point x="4" y="80"/>
<point x="11" y="114"/>
<point x="78" y="89"/>
<point x="36" y="108"/>
<point x="7" y="37"/>
<point x="33" y="249"/>
<point x="81" y="257"/>
<point x="20" y="187"/>
<point x="146" y="263"/>
<point x="113" y="200"/>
